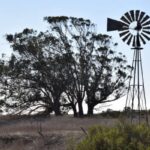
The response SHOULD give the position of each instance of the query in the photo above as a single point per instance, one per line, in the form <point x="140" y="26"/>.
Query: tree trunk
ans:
<point x="80" y="109"/>
<point x="74" y="111"/>
<point x="90" y="103"/>
<point x="90" y="109"/>
<point x="57" y="107"/>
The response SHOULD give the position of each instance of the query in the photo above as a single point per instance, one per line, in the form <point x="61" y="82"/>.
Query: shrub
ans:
<point x="121" y="137"/>
<point x="111" y="113"/>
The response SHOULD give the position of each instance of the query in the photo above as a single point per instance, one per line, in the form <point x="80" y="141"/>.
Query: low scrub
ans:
<point x="112" y="114"/>
<point x="121" y="137"/>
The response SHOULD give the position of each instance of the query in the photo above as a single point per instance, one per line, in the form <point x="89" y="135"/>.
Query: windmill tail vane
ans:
<point x="134" y="30"/>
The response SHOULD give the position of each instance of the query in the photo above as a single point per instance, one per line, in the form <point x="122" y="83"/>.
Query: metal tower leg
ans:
<point x="136" y="98"/>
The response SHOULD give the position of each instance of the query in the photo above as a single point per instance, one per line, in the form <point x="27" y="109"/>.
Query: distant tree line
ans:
<point x="57" y="70"/>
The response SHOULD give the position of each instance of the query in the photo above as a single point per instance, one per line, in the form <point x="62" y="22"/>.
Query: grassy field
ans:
<point x="46" y="133"/>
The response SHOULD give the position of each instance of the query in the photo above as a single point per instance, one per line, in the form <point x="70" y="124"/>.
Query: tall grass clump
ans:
<point x="121" y="137"/>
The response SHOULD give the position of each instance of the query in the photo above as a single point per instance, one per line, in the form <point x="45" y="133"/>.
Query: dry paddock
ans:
<point x="46" y="133"/>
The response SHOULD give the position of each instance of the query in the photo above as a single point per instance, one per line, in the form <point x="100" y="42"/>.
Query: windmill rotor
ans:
<point x="134" y="27"/>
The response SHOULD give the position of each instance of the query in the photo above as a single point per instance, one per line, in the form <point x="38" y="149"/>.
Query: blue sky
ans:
<point x="18" y="14"/>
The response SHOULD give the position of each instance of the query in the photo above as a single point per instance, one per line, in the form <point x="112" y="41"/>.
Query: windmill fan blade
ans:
<point x="124" y="33"/>
<point x="113" y="25"/>
<point x="144" y="35"/>
<point x="125" y="20"/>
<point x="128" y="17"/>
<point x="148" y="27"/>
<point x="141" y="38"/>
<point x="141" y="16"/>
<point x="146" y="23"/>
<point x="148" y="32"/>
<point x="126" y="37"/>
<point x="132" y="15"/>
<point x="137" y="14"/>
<point x="145" y="19"/>
<point x="130" y="39"/>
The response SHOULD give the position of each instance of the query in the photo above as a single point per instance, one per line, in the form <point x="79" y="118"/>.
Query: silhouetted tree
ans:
<point x="95" y="68"/>
<point x="36" y="71"/>
<point x="109" y="76"/>
<point x="64" y="66"/>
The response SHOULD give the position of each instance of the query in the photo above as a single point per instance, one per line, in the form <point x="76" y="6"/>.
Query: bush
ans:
<point x="121" y="137"/>
<point x="111" y="113"/>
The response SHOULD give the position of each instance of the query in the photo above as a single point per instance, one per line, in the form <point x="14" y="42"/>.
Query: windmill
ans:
<point x="133" y="29"/>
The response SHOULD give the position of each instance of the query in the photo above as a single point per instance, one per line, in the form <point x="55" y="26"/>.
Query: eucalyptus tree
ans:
<point x="64" y="66"/>
<point x="94" y="67"/>
<point x="37" y="79"/>
<point x="74" y="35"/>
<point x="108" y="80"/>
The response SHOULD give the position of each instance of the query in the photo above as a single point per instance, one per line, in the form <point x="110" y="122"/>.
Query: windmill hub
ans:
<point x="138" y="27"/>
<point x="135" y="27"/>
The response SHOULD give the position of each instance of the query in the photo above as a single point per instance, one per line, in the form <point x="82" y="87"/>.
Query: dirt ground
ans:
<point x="46" y="133"/>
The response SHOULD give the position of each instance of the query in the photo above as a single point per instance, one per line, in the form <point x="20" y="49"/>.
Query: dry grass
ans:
<point x="45" y="133"/>
<point x="64" y="124"/>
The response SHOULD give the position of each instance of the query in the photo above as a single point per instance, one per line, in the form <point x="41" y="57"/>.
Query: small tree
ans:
<point x="108" y="79"/>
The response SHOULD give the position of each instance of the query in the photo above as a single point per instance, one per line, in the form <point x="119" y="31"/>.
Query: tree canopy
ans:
<point x="58" y="69"/>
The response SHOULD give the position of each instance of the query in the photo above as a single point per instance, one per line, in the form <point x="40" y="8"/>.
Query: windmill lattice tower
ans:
<point x="134" y="31"/>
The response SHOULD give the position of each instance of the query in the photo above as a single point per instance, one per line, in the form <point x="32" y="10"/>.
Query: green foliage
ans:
<point x="121" y="137"/>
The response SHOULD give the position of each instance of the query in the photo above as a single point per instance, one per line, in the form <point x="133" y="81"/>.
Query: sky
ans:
<point x="18" y="14"/>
